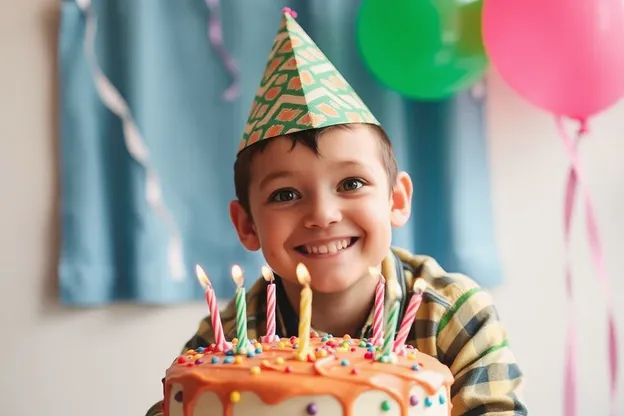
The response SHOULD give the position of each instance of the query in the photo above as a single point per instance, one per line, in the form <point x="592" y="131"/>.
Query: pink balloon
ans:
<point x="565" y="56"/>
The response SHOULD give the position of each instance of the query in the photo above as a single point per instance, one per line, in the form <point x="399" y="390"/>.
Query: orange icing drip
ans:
<point x="282" y="375"/>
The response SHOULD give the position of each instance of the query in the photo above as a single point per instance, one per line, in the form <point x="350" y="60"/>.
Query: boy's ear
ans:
<point x="244" y="227"/>
<point x="401" y="200"/>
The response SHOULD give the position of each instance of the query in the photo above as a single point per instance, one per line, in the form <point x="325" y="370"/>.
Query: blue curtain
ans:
<point x="157" y="55"/>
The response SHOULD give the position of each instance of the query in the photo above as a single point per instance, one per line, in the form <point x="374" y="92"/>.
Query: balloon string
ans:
<point x="576" y="180"/>
<point x="215" y="36"/>
<point x="112" y="99"/>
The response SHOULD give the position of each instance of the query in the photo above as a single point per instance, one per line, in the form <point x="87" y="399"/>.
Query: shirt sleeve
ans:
<point x="155" y="410"/>
<point x="473" y="343"/>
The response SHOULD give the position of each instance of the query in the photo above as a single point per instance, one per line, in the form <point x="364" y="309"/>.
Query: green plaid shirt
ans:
<point x="456" y="323"/>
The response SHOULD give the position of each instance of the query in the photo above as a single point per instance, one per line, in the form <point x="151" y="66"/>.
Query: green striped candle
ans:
<point x="241" y="311"/>
<point x="391" y="323"/>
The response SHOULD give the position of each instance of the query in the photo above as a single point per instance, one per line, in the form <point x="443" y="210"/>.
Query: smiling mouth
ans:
<point x="331" y="247"/>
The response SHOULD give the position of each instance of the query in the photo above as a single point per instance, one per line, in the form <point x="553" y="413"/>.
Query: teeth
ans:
<point x="331" y="247"/>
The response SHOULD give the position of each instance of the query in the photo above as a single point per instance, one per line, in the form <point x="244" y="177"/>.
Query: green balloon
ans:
<point x="423" y="49"/>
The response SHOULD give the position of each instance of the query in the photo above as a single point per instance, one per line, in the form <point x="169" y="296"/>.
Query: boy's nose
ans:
<point x="322" y="213"/>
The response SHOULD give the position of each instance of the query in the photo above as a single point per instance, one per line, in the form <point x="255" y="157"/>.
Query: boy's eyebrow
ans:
<point x="275" y="175"/>
<point x="278" y="174"/>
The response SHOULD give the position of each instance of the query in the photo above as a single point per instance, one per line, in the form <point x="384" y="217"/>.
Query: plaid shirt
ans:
<point x="456" y="323"/>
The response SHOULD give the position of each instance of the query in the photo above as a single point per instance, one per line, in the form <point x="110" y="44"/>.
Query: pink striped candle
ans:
<point x="410" y="314"/>
<point x="378" y="315"/>
<point x="213" y="306"/>
<point x="270" y="305"/>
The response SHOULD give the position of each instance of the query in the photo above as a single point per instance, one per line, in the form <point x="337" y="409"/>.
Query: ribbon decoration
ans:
<point x="112" y="99"/>
<point x="215" y="36"/>
<point x="576" y="180"/>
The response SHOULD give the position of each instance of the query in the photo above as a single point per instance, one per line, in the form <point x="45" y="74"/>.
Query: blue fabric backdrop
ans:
<point x="156" y="53"/>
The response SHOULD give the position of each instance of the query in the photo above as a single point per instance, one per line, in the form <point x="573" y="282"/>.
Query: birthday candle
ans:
<point x="410" y="314"/>
<point x="213" y="307"/>
<point x="241" y="311"/>
<point x="305" y="311"/>
<point x="391" y="323"/>
<point x="270" y="314"/>
<point x="380" y="291"/>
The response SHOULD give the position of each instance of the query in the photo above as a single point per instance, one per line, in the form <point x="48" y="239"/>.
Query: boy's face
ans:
<point x="332" y="212"/>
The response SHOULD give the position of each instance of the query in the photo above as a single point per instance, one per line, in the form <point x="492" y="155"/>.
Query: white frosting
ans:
<point x="367" y="404"/>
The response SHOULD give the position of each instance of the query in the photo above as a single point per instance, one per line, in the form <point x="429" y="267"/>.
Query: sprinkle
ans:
<point x="330" y="335"/>
<point x="235" y="397"/>
<point x="369" y="345"/>
<point x="368" y="355"/>
<point x="311" y="409"/>
<point x="197" y="356"/>
<point x="266" y="347"/>
<point x="181" y="360"/>
<point x="251" y="354"/>
<point x="189" y="364"/>
<point x="428" y="402"/>
<point x="228" y="360"/>
<point x="385" y="359"/>
<point x="178" y="397"/>
<point x="190" y="352"/>
<point x="411" y="356"/>
<point x="442" y="399"/>
<point x="314" y="334"/>
<point x="362" y="344"/>
<point x="416" y="367"/>
<point x="353" y="349"/>
<point x="234" y="341"/>
<point x="344" y="363"/>
<point x="242" y="351"/>
<point x="288" y="369"/>
<point x="255" y="370"/>
<point x="257" y="345"/>
<point x="371" y="349"/>
<point x="355" y="371"/>
<point x="201" y="350"/>
<point x="295" y="346"/>
<point x="347" y="337"/>
<point x="238" y="359"/>
<point x="293" y="339"/>
<point x="321" y="353"/>
<point x="345" y="345"/>
<point x="385" y="405"/>
<point x="413" y="400"/>
<point x="200" y="361"/>
<point x="259" y="350"/>
<point x="324" y="339"/>
<point x="265" y="363"/>
<point x="279" y="360"/>
<point x="229" y="353"/>
<point x="214" y="360"/>
<point x="281" y="345"/>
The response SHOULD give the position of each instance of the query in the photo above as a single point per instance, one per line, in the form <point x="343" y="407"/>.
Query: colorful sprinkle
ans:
<point x="228" y="360"/>
<point x="311" y="409"/>
<point x="416" y="367"/>
<point x="344" y="363"/>
<point x="200" y="361"/>
<point x="428" y="402"/>
<point x="355" y="371"/>
<point x="293" y="340"/>
<point x="413" y="400"/>
<point x="178" y="397"/>
<point x="279" y="360"/>
<point x="229" y="353"/>
<point x="181" y="360"/>
<point x="371" y="349"/>
<point x="235" y="397"/>
<point x="189" y="364"/>
<point x="385" y="405"/>
<point x="238" y="359"/>
<point x="255" y="370"/>
<point x="259" y="350"/>
<point x="251" y="354"/>
<point x="314" y="334"/>
<point x="368" y="355"/>
<point x="442" y="399"/>
<point x="288" y="369"/>
<point x="234" y="341"/>
<point x="214" y="360"/>
<point x="347" y="337"/>
<point x="385" y="359"/>
<point x="200" y="350"/>
<point x="281" y="345"/>
<point x="345" y="345"/>
<point x="362" y="344"/>
<point x="265" y="363"/>
<point x="321" y="353"/>
<point x="324" y="339"/>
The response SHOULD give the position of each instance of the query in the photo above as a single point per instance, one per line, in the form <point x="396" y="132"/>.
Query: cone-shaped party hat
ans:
<point x="300" y="90"/>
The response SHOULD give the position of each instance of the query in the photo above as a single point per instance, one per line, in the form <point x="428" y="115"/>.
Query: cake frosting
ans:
<point x="342" y="376"/>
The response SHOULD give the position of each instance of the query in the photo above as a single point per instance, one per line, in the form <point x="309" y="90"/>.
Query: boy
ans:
<point x="316" y="182"/>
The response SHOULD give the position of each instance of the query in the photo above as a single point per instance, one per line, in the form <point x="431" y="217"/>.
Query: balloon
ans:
<point x="424" y="49"/>
<point x="564" y="56"/>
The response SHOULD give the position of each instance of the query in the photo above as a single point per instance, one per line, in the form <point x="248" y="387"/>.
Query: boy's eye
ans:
<point x="351" y="184"/>
<point x="283" y="195"/>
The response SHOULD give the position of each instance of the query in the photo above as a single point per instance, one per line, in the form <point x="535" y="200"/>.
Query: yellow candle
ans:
<point x="305" y="312"/>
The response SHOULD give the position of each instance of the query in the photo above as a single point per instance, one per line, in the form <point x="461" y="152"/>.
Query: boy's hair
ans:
<point x="308" y="138"/>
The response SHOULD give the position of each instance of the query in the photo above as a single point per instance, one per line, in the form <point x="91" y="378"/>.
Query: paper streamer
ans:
<point x="137" y="148"/>
<point x="215" y="36"/>
<point x="576" y="181"/>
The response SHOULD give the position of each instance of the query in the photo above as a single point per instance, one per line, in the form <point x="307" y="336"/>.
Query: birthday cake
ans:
<point x="342" y="377"/>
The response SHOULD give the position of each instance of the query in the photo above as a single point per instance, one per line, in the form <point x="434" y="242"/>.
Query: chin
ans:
<point x="332" y="284"/>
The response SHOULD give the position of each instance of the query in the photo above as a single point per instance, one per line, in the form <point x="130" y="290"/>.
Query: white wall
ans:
<point x="110" y="361"/>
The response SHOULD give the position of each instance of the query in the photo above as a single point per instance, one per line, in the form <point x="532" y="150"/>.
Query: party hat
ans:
<point x="300" y="90"/>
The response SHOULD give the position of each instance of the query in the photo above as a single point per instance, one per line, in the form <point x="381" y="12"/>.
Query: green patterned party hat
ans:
<point x="300" y="90"/>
